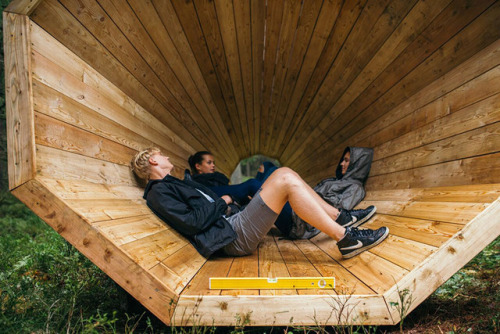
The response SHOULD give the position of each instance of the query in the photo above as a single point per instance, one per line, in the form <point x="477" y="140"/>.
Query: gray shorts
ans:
<point x="251" y="225"/>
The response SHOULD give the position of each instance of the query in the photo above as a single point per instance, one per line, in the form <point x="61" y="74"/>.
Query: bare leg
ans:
<point x="286" y="185"/>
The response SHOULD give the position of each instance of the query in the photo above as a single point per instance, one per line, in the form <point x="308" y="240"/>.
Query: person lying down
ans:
<point x="198" y="213"/>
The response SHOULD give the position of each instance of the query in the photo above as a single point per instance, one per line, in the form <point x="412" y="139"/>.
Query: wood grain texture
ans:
<point x="243" y="266"/>
<point x="223" y="13"/>
<point x="347" y="18"/>
<point x="484" y="193"/>
<point x="184" y="263"/>
<point x="472" y="81"/>
<point x="108" y="257"/>
<point x="288" y="35"/>
<point x="300" y="74"/>
<point x="272" y="264"/>
<point x="428" y="232"/>
<point x="345" y="282"/>
<point x="51" y="15"/>
<point x="18" y="99"/>
<point x="199" y="285"/>
<point x="281" y="310"/>
<point x="429" y="70"/>
<point x="63" y="165"/>
<point x="22" y="7"/>
<point x="476" y="170"/>
<point x="298" y="265"/>
<point x="257" y="12"/>
<point x="151" y="60"/>
<point x="104" y="209"/>
<point x="454" y="254"/>
<point x="56" y="134"/>
<point x="459" y="213"/>
<point x="151" y="249"/>
<point x="182" y="62"/>
<point x="378" y="273"/>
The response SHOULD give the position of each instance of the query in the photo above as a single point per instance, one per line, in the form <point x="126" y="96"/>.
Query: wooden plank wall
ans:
<point x="294" y="80"/>
<point x="18" y="99"/>
<point x="86" y="131"/>
<point x="392" y="78"/>
<point x="154" y="69"/>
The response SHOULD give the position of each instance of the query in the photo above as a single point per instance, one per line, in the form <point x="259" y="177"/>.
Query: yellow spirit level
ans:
<point x="271" y="283"/>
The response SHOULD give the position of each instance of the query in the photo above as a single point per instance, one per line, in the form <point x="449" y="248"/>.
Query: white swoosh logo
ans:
<point x="356" y="246"/>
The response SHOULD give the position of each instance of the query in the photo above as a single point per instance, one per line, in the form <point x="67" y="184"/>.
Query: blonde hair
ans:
<point x="140" y="162"/>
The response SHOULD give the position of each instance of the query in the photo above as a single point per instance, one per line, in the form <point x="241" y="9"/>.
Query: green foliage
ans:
<point x="45" y="283"/>
<point x="402" y="305"/>
<point x="475" y="277"/>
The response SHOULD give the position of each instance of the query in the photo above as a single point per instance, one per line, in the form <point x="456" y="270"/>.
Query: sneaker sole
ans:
<point x="362" y="249"/>
<point x="364" y="220"/>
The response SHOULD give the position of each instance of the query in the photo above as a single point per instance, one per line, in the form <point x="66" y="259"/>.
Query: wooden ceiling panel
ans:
<point x="433" y="66"/>
<point x="294" y="80"/>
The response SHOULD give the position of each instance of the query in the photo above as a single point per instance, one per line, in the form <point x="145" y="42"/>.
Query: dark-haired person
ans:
<point x="198" y="213"/>
<point x="345" y="190"/>
<point x="203" y="171"/>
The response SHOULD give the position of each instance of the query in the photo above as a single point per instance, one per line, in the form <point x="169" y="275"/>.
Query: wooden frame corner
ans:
<point x="19" y="99"/>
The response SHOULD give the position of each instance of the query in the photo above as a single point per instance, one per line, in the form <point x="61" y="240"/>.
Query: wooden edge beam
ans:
<point x="19" y="99"/>
<point x="451" y="257"/>
<point x="118" y="265"/>
<point x="292" y="310"/>
<point x="23" y="7"/>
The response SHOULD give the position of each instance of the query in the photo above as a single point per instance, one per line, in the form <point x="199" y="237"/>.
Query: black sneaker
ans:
<point x="355" y="218"/>
<point x="360" y="217"/>
<point x="356" y="241"/>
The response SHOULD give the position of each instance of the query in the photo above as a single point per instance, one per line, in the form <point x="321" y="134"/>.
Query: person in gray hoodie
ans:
<point x="344" y="191"/>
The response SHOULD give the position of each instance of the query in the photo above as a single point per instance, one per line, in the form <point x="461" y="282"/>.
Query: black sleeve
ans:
<point x="181" y="216"/>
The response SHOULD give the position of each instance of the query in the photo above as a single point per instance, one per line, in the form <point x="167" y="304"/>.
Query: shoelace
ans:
<point x="357" y="211"/>
<point x="361" y="233"/>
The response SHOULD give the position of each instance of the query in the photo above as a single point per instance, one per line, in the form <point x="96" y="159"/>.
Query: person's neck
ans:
<point x="155" y="175"/>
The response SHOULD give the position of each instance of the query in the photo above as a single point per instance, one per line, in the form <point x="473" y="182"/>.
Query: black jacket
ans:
<point x="190" y="213"/>
<point x="211" y="179"/>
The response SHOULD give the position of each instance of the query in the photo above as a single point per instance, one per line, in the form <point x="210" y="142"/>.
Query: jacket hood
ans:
<point x="359" y="166"/>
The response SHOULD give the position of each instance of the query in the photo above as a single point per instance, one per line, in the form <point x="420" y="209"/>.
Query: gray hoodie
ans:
<point x="341" y="191"/>
<point x="346" y="191"/>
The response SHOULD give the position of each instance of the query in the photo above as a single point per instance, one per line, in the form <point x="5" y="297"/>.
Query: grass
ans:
<point x="45" y="283"/>
<point x="47" y="286"/>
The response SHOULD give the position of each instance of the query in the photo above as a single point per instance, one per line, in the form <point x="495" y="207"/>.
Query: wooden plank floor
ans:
<point x="276" y="257"/>
<point x="420" y="221"/>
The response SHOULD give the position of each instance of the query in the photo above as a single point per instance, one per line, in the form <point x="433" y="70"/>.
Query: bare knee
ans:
<point x="288" y="177"/>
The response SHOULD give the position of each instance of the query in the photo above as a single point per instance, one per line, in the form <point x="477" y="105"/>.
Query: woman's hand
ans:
<point x="227" y="199"/>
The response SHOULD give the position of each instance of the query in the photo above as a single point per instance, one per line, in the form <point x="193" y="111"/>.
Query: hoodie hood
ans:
<point x="359" y="166"/>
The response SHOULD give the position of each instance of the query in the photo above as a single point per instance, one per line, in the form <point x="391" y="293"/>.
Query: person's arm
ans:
<point x="352" y="196"/>
<point x="185" y="219"/>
